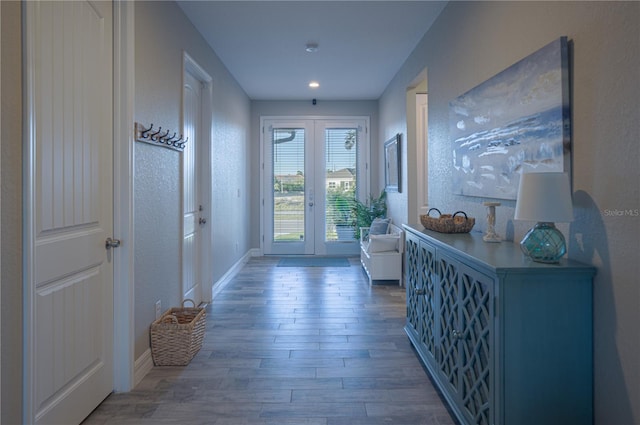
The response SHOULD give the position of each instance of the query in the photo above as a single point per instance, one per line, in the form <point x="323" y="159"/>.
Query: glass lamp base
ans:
<point x="544" y="243"/>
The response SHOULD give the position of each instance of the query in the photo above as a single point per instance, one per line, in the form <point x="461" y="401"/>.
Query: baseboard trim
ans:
<point x="232" y="272"/>
<point x="142" y="366"/>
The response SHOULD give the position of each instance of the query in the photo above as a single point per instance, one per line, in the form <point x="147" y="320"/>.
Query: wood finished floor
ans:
<point x="292" y="346"/>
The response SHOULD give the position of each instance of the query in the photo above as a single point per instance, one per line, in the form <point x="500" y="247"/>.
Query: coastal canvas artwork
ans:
<point x="515" y="122"/>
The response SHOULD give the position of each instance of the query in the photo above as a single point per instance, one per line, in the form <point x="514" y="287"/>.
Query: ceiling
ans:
<point x="361" y="44"/>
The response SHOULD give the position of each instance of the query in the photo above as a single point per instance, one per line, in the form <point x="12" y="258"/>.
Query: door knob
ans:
<point x="202" y="220"/>
<point x="310" y="204"/>
<point x="111" y="243"/>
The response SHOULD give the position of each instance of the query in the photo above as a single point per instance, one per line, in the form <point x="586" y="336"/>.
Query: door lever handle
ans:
<point x="112" y="243"/>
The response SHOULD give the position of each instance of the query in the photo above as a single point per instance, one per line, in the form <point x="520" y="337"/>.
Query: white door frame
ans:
<point x="204" y="172"/>
<point x="123" y="202"/>
<point x="364" y="183"/>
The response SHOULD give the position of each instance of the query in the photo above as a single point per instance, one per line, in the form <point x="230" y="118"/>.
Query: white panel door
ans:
<point x="193" y="209"/>
<point x="69" y="277"/>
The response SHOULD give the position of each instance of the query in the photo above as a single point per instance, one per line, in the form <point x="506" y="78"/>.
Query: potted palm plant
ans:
<point x="341" y="202"/>
<point x="363" y="213"/>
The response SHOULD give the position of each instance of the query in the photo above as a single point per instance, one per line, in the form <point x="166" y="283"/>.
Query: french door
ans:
<point x="313" y="171"/>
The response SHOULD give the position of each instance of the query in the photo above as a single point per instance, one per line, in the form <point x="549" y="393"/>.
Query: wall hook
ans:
<point x="177" y="141"/>
<point x="163" y="138"/>
<point x="171" y="139"/>
<point x="144" y="134"/>
<point x="184" y="142"/>
<point x="153" y="136"/>
<point x="159" y="137"/>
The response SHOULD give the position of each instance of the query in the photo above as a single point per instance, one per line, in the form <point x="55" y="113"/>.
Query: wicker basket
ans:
<point x="177" y="335"/>
<point x="448" y="223"/>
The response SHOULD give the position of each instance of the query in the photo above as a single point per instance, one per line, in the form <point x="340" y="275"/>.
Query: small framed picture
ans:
<point x="392" y="164"/>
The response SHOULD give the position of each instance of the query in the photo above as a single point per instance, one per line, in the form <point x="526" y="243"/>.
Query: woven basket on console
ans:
<point x="177" y="335"/>
<point x="448" y="223"/>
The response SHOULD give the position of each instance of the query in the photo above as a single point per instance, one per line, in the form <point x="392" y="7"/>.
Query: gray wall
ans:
<point x="472" y="41"/>
<point x="263" y="108"/>
<point x="11" y="213"/>
<point x="162" y="34"/>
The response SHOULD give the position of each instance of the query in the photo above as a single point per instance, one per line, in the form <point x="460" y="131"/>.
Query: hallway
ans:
<point x="292" y="346"/>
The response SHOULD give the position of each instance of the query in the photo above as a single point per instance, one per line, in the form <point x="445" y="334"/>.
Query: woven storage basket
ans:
<point x="177" y="335"/>
<point x="448" y="223"/>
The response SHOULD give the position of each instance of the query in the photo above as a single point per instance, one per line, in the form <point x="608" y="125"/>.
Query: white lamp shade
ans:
<point x="544" y="197"/>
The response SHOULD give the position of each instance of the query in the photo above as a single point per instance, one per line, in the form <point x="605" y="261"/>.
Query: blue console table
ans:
<point x="508" y="341"/>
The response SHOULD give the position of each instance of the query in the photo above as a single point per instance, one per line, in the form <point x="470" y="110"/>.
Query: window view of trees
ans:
<point x="286" y="184"/>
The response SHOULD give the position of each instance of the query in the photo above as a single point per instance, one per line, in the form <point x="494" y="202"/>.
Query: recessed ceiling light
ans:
<point x="314" y="84"/>
<point x="311" y="47"/>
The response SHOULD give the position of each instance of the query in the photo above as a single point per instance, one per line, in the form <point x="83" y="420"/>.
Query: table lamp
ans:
<point x="545" y="198"/>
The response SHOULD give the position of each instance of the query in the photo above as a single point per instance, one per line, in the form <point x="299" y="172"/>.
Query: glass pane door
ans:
<point x="288" y="196"/>
<point x="288" y="184"/>
<point x="310" y="181"/>
<point x="340" y="178"/>
<point x="340" y="182"/>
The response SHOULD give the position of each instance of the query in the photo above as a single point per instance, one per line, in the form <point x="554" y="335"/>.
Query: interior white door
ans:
<point x="68" y="198"/>
<point x="193" y="209"/>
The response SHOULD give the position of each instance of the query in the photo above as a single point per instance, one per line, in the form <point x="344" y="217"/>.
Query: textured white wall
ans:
<point x="472" y="41"/>
<point x="162" y="34"/>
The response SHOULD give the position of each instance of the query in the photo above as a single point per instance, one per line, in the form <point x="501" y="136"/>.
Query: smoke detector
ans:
<point x="311" y="47"/>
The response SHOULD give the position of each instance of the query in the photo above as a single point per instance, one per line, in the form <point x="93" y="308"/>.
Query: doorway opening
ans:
<point x="417" y="149"/>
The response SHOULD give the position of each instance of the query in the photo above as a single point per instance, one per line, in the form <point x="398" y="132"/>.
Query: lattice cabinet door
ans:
<point x="466" y="337"/>
<point x="412" y="270"/>
<point x="476" y="344"/>
<point x="448" y="324"/>
<point x="427" y="302"/>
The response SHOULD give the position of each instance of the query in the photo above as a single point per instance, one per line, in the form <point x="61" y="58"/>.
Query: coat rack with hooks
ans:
<point x="160" y="137"/>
